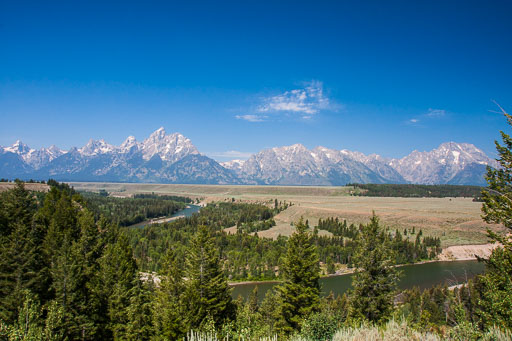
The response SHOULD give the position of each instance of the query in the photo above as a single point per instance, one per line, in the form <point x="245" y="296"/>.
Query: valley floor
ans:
<point x="456" y="221"/>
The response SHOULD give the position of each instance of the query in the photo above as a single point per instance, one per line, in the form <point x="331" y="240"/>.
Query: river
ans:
<point x="186" y="212"/>
<point x="424" y="275"/>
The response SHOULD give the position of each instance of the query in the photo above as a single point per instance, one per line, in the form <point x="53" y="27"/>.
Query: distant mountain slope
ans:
<point x="159" y="158"/>
<point x="199" y="169"/>
<point x="296" y="165"/>
<point x="32" y="157"/>
<point x="174" y="159"/>
<point x="12" y="165"/>
<point x="450" y="163"/>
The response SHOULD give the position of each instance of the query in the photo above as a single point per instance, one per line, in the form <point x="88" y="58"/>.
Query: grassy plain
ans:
<point x="5" y="186"/>
<point x="456" y="221"/>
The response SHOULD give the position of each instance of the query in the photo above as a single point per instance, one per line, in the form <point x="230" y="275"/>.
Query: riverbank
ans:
<point x="156" y="221"/>
<point x="466" y="252"/>
<point x="423" y="276"/>
<point x="234" y="284"/>
<point x="183" y="213"/>
<point x="450" y="254"/>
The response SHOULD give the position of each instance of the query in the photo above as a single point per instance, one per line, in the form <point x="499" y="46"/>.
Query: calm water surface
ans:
<point x="421" y="275"/>
<point x="186" y="212"/>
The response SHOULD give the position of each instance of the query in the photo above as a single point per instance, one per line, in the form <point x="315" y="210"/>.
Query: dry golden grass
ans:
<point x="5" y="186"/>
<point x="456" y="221"/>
<point x="466" y="252"/>
<point x="211" y="191"/>
<point x="281" y="229"/>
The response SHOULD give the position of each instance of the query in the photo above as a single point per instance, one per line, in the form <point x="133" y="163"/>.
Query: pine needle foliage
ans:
<point x="495" y="304"/>
<point x="207" y="290"/>
<point x="375" y="281"/>
<point x="169" y="309"/>
<point x="300" y="289"/>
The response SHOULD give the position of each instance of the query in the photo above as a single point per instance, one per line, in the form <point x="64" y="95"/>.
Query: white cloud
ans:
<point x="429" y="115"/>
<point x="231" y="154"/>
<point x="251" y="118"/>
<point x="307" y="101"/>
<point x="435" y="113"/>
<point x="303" y="103"/>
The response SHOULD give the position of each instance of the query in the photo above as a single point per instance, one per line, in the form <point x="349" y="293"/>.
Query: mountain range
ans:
<point x="163" y="158"/>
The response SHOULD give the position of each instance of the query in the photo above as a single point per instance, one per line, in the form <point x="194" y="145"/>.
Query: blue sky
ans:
<point x="236" y="77"/>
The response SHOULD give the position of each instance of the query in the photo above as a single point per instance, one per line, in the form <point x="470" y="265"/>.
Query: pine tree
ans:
<point x="331" y="267"/>
<point x="58" y="217"/>
<point x="74" y="272"/>
<point x="54" y="329"/>
<point x="495" y="304"/>
<point x="117" y="276"/>
<point x="17" y="206"/>
<point x="495" y="287"/>
<point x="29" y="323"/>
<point x="22" y="266"/>
<point x="270" y="311"/>
<point x="497" y="199"/>
<point x="300" y="289"/>
<point x="207" y="290"/>
<point x="375" y="280"/>
<point x="140" y="324"/>
<point x="168" y="310"/>
<point x="253" y="300"/>
<point x="69" y="285"/>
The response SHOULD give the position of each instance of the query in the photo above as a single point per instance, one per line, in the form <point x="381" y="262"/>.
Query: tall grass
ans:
<point x="402" y="331"/>
<point x="391" y="331"/>
<point x="198" y="336"/>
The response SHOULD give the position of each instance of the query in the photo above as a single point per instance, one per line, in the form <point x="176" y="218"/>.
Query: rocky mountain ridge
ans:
<point x="159" y="158"/>
<point x="450" y="163"/>
<point x="174" y="159"/>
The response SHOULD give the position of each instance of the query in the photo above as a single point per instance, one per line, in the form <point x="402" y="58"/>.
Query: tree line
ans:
<point x="131" y="211"/>
<point x="416" y="191"/>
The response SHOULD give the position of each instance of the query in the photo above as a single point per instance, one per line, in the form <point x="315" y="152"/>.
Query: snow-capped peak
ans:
<point x="95" y="147"/>
<point x="297" y="147"/>
<point x="168" y="147"/>
<point x="33" y="157"/>
<point x="294" y="148"/>
<point x="53" y="152"/>
<point x="233" y="164"/>
<point x="441" y="164"/>
<point x="157" y="134"/>
<point x="128" y="144"/>
<point x="18" y="147"/>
